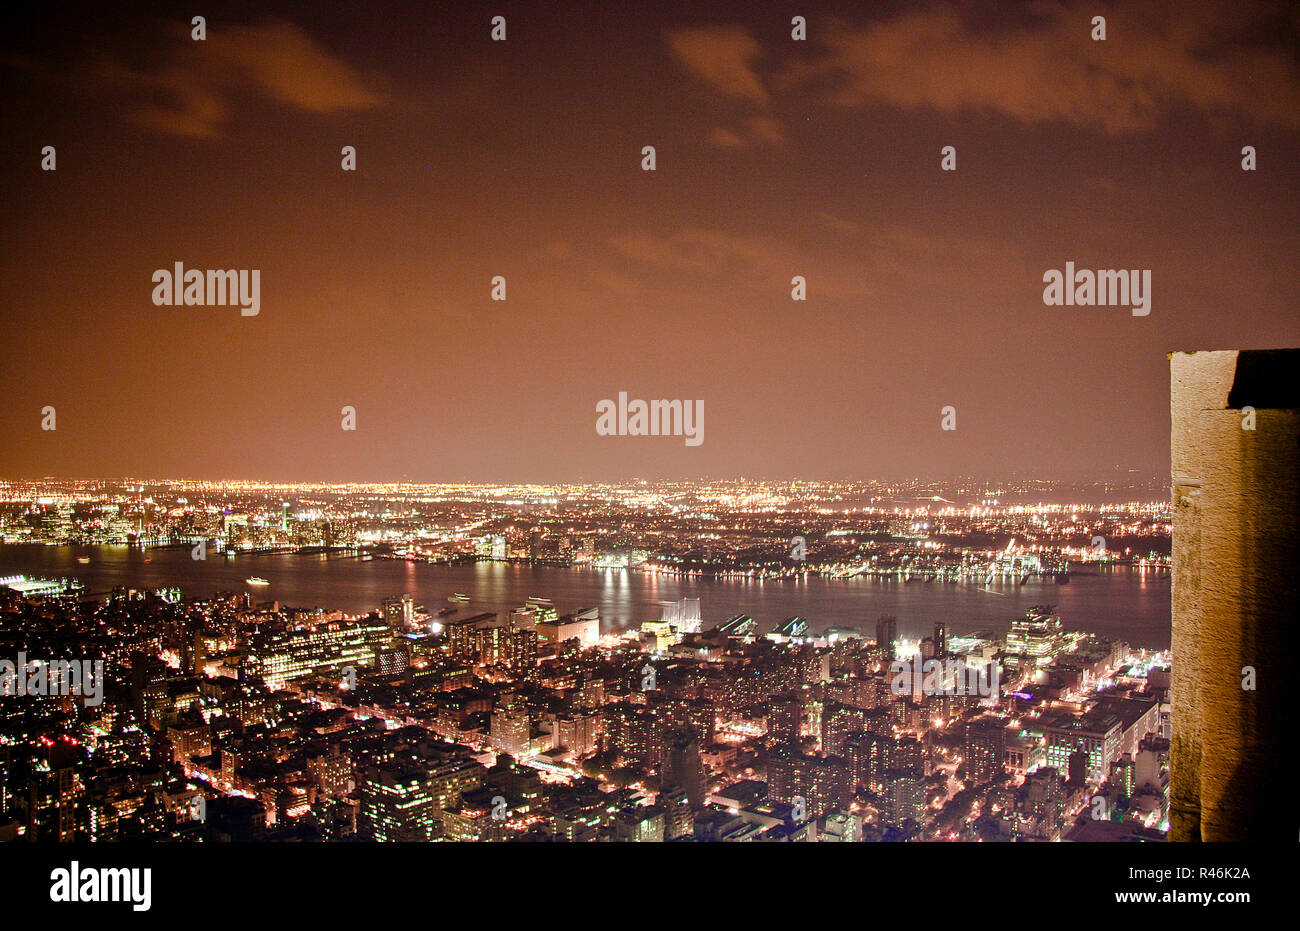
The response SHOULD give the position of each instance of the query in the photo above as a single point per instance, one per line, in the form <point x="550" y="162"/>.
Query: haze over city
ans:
<point x="523" y="158"/>
<point x="689" y="424"/>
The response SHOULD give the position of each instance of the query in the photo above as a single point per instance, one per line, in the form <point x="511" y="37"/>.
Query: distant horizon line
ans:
<point x="1132" y="474"/>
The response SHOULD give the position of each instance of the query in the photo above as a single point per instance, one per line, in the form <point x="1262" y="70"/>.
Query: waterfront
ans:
<point x="1121" y="603"/>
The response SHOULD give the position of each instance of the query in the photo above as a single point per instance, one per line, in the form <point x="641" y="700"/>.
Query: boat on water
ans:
<point x="257" y="580"/>
<point x="458" y="599"/>
<point x="83" y="559"/>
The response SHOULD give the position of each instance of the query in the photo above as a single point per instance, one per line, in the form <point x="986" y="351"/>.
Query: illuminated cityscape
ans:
<point x="647" y="423"/>
<point x="230" y="715"/>
<point x="755" y="529"/>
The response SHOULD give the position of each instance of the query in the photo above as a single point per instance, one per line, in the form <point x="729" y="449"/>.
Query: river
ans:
<point x="1122" y="603"/>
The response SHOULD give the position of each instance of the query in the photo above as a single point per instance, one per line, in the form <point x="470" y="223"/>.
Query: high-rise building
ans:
<point x="905" y="754"/>
<point x="886" y="634"/>
<point x="1042" y="804"/>
<point x="462" y="635"/>
<point x="399" y="613"/>
<point x="824" y="783"/>
<point x="324" y="648"/>
<point x="1122" y="772"/>
<point x="635" y="734"/>
<point x="682" y="765"/>
<point x="403" y="799"/>
<point x="1097" y="735"/>
<point x="941" y="632"/>
<point x="1034" y="640"/>
<point x="903" y="796"/>
<point x="397" y="805"/>
<point x="867" y="756"/>
<point x="511" y="730"/>
<point x="840" y="826"/>
<point x="331" y="770"/>
<point x="679" y="814"/>
<point x="838" y="723"/>
<point x="639" y="824"/>
<point x="1151" y="765"/>
<point x="493" y="644"/>
<point x="522" y="618"/>
<point x="784" y="717"/>
<point x="579" y="732"/>
<point x="986" y="748"/>
<point x="543" y="609"/>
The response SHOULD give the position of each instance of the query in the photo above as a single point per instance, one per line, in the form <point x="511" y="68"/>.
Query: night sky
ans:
<point x="522" y="158"/>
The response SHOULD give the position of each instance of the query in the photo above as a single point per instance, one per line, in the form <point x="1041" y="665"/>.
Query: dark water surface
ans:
<point x="1119" y="603"/>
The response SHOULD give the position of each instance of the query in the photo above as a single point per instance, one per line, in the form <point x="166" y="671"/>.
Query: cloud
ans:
<point x="766" y="129"/>
<point x="838" y="224"/>
<point x="721" y="55"/>
<point x="726" y="139"/>
<point x="694" y="248"/>
<point x="191" y="92"/>
<point x="891" y="257"/>
<point x="755" y="130"/>
<point x="1152" y="62"/>
<point x="849" y="262"/>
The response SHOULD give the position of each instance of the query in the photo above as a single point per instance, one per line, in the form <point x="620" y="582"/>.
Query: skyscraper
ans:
<point x="679" y="814"/>
<point x="985" y="749"/>
<point x="683" y="767"/>
<point x="511" y="728"/>
<point x="784" y="716"/>
<point x="399" y="612"/>
<point x="1034" y="640"/>
<point x="886" y="634"/>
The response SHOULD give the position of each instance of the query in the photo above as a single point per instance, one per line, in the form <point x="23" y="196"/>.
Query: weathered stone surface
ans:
<point x="1236" y="498"/>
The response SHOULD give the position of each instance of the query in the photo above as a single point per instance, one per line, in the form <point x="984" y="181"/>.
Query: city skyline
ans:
<point x="688" y="424"/>
<point x="1129" y="479"/>
<point x="776" y="157"/>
